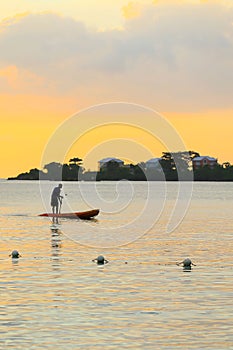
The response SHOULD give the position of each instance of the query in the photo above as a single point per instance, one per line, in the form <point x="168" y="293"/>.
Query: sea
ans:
<point x="54" y="296"/>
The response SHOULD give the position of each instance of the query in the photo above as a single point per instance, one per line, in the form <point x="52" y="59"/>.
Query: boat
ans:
<point x="85" y="215"/>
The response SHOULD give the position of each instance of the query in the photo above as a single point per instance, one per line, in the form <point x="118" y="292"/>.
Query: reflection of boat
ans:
<point x="85" y="215"/>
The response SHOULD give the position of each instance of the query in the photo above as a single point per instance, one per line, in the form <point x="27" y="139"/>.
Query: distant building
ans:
<point x="200" y="162"/>
<point x="153" y="163"/>
<point x="103" y="162"/>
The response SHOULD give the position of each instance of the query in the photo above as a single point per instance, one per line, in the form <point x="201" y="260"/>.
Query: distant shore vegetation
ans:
<point x="169" y="167"/>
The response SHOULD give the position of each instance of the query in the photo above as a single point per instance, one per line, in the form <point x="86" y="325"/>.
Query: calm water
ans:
<point x="55" y="297"/>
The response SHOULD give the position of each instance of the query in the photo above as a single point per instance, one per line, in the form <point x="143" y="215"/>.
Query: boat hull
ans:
<point x="85" y="215"/>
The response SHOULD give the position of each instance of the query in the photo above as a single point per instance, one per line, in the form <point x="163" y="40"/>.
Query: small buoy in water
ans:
<point x="15" y="254"/>
<point x="187" y="263"/>
<point x="100" y="260"/>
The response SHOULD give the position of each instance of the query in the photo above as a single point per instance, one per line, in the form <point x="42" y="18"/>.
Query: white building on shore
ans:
<point x="153" y="163"/>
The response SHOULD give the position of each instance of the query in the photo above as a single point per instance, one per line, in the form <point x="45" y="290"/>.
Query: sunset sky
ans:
<point x="58" y="57"/>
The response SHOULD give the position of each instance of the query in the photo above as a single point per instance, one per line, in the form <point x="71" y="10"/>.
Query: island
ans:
<point x="169" y="167"/>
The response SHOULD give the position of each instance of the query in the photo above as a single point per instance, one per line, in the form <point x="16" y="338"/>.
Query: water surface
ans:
<point x="54" y="297"/>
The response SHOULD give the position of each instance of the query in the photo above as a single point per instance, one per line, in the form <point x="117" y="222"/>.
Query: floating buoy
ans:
<point x="100" y="260"/>
<point x="15" y="254"/>
<point x="187" y="264"/>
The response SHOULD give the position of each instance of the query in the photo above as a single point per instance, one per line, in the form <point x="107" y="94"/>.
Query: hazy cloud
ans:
<point x="170" y="57"/>
<point x="132" y="10"/>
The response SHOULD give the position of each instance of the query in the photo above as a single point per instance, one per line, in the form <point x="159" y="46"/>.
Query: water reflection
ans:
<point x="56" y="246"/>
<point x="187" y="268"/>
<point x="14" y="261"/>
<point x="56" y="243"/>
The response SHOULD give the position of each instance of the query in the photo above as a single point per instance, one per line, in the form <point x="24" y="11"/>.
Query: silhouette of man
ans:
<point x="56" y="198"/>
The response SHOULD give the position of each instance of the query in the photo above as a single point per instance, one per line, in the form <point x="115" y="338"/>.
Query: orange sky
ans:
<point x="174" y="57"/>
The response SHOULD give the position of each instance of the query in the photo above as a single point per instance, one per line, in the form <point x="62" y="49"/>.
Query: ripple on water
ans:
<point x="54" y="297"/>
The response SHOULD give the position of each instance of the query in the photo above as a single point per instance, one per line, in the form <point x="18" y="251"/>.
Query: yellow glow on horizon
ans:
<point x="120" y="141"/>
<point x="28" y="122"/>
<point x="209" y="133"/>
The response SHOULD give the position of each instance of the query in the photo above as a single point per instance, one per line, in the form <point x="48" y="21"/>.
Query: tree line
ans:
<point x="172" y="166"/>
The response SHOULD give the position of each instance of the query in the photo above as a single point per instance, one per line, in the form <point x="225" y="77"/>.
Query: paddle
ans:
<point x="60" y="201"/>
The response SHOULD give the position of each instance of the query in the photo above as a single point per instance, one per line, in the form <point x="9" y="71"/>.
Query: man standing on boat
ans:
<point x="56" y="198"/>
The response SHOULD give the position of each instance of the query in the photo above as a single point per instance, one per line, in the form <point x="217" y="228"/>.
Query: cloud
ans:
<point x="14" y="79"/>
<point x="131" y="10"/>
<point x="171" y="57"/>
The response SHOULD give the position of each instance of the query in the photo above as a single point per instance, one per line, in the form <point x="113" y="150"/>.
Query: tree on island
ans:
<point x="72" y="171"/>
<point x="113" y="171"/>
<point x="33" y="174"/>
<point x="53" y="171"/>
<point x="174" y="163"/>
<point x="68" y="172"/>
<point x="76" y="161"/>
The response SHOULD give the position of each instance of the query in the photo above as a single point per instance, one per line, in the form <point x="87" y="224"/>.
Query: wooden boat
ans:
<point x="85" y="215"/>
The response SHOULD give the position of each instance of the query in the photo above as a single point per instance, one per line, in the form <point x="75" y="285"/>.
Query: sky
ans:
<point x="58" y="58"/>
